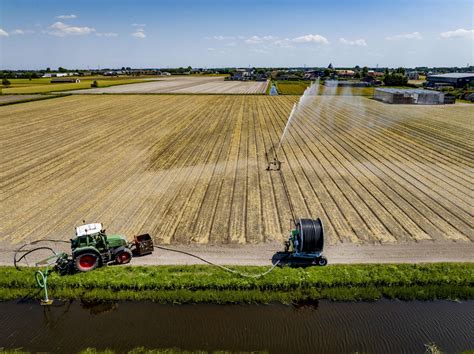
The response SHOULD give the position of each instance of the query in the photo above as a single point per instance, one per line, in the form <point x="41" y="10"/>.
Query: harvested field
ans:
<point x="14" y="98"/>
<point x="187" y="84"/>
<point x="192" y="168"/>
<point x="9" y="99"/>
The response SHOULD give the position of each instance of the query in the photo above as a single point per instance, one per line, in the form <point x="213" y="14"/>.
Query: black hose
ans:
<point x="15" y="261"/>
<point x="20" y="250"/>
<point x="245" y="275"/>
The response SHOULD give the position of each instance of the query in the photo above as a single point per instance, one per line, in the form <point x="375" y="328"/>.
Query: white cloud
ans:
<point x="222" y="38"/>
<point x="211" y="49"/>
<point x="231" y="44"/>
<point x="311" y="38"/>
<point x="19" y="31"/>
<point x="139" y="33"/>
<point x="257" y="39"/>
<point x="358" y="42"/>
<point x="459" y="33"/>
<point x="413" y="35"/>
<point x="3" y="33"/>
<point x="107" y="34"/>
<point x="61" y="29"/>
<point x="138" y="24"/>
<point x="284" y="43"/>
<point x="66" y="17"/>
<point x="253" y="40"/>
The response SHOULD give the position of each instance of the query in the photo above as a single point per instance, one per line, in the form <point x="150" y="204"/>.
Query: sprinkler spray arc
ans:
<point x="306" y="241"/>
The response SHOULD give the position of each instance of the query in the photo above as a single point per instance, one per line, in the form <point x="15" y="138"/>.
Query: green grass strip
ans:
<point x="194" y="284"/>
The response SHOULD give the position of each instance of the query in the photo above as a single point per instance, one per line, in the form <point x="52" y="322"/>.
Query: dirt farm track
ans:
<point x="192" y="168"/>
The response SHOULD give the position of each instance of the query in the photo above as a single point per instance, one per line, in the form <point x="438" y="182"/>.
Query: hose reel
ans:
<point x="309" y="236"/>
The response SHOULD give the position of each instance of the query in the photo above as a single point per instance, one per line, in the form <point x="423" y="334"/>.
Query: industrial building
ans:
<point x="409" y="96"/>
<point x="456" y="80"/>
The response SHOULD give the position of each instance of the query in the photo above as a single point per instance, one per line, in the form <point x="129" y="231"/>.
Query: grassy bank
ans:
<point x="184" y="284"/>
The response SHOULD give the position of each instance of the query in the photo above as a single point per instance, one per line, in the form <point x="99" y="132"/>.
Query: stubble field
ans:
<point x="186" y="85"/>
<point x="192" y="168"/>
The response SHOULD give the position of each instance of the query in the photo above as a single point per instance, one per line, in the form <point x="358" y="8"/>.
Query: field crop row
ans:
<point x="192" y="168"/>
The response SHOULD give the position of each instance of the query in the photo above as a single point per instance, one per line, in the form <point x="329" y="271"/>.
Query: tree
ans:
<point x="365" y="71"/>
<point x="6" y="82"/>
<point x="400" y="71"/>
<point x="327" y="72"/>
<point x="330" y="66"/>
<point x="395" y="79"/>
<point x="62" y="70"/>
<point x="48" y="70"/>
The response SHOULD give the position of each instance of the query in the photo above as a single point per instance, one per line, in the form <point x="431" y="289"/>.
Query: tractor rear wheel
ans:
<point x="123" y="257"/>
<point x="86" y="262"/>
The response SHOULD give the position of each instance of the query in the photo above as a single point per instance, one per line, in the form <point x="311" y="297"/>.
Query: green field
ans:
<point x="44" y="85"/>
<point x="292" y="87"/>
<point x="192" y="284"/>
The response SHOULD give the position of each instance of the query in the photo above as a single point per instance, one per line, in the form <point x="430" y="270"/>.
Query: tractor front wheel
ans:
<point x="322" y="261"/>
<point x="123" y="257"/>
<point x="86" y="262"/>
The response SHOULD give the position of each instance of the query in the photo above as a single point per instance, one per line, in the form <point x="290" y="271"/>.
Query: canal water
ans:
<point x="323" y="327"/>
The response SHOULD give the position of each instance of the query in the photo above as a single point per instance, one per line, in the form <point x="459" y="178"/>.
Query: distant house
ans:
<point x="413" y="75"/>
<point x="242" y="74"/>
<point x="456" y="80"/>
<point x="110" y="73"/>
<point x="61" y="80"/>
<point x="375" y="74"/>
<point x="345" y="73"/>
<point x="313" y="74"/>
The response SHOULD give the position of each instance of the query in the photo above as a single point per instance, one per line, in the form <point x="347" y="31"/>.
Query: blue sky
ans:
<point x="98" y="33"/>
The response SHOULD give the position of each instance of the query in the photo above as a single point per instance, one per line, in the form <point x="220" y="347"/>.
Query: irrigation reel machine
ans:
<point x="305" y="245"/>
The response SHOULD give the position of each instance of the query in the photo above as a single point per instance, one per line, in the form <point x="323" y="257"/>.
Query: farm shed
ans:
<point x="409" y="96"/>
<point x="457" y="80"/>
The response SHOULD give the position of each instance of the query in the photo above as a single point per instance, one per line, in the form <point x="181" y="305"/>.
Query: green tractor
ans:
<point x="92" y="248"/>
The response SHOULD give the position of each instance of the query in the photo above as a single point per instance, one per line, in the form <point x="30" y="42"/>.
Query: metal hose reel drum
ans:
<point x="310" y="236"/>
